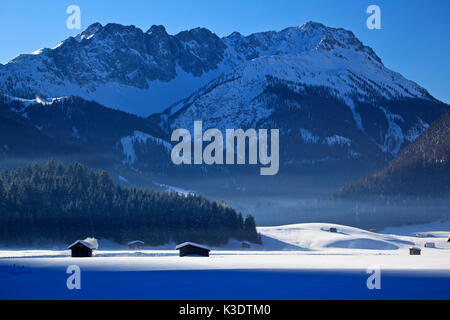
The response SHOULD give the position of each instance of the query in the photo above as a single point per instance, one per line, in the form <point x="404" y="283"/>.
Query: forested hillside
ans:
<point x="57" y="204"/>
<point x="422" y="169"/>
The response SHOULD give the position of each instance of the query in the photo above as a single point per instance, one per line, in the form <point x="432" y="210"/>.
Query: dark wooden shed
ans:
<point x="81" y="248"/>
<point x="333" y="229"/>
<point x="414" y="251"/>
<point x="192" y="249"/>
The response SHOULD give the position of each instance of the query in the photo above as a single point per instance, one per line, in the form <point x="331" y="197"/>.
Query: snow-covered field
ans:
<point x="294" y="262"/>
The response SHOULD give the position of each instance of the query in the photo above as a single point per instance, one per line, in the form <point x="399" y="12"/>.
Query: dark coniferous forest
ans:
<point x="54" y="204"/>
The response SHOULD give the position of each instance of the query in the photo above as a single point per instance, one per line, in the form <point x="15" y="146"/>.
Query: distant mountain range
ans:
<point x="422" y="168"/>
<point x="331" y="96"/>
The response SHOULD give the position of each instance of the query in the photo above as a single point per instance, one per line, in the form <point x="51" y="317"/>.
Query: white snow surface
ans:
<point x="297" y="246"/>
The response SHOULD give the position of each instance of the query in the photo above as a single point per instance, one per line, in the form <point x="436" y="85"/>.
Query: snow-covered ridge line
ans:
<point x="37" y="100"/>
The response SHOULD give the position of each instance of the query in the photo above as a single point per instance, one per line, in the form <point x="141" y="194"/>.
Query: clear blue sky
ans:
<point x="414" y="39"/>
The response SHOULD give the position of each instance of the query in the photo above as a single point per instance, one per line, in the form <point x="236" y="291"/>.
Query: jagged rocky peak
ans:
<point x="145" y="72"/>
<point x="332" y="37"/>
<point x="90" y="31"/>
<point x="202" y="37"/>
<point x="157" y="30"/>
<point x="293" y="40"/>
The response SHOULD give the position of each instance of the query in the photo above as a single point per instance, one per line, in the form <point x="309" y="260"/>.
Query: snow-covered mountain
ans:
<point x="118" y="66"/>
<point x="143" y="72"/>
<point x="331" y="96"/>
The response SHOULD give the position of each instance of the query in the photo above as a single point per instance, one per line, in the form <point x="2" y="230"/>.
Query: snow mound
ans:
<point x="428" y="230"/>
<point x="318" y="236"/>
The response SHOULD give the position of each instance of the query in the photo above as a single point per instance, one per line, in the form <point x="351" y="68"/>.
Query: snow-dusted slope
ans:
<point x="232" y="100"/>
<point x="331" y="97"/>
<point x="317" y="236"/>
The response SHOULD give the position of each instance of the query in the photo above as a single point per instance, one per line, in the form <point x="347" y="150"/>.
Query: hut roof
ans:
<point x="84" y="243"/>
<point x="184" y="244"/>
<point x="136" y="242"/>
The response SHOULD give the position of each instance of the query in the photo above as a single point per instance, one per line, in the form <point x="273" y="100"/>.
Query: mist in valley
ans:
<point x="307" y="196"/>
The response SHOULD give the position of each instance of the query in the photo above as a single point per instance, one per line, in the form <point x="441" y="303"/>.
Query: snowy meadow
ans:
<point x="302" y="261"/>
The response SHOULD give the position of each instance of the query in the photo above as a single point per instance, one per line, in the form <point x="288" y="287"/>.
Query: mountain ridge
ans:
<point x="149" y="65"/>
<point x="329" y="94"/>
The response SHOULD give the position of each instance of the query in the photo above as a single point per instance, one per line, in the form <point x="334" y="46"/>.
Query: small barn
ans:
<point x="414" y="251"/>
<point x="136" y="244"/>
<point x="82" y="248"/>
<point x="430" y="245"/>
<point x="332" y="229"/>
<point x="192" y="249"/>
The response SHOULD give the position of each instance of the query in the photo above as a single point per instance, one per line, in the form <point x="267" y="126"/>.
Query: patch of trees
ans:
<point x="57" y="204"/>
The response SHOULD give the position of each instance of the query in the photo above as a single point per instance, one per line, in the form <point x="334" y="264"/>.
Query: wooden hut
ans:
<point x="414" y="251"/>
<point x="333" y="229"/>
<point x="246" y="245"/>
<point x="136" y="244"/>
<point x="81" y="248"/>
<point x="192" y="249"/>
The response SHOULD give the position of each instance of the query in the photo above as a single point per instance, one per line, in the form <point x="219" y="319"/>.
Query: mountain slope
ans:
<point x="329" y="94"/>
<point x="20" y="140"/>
<point x="73" y="124"/>
<point x="422" y="168"/>
<point x="328" y="105"/>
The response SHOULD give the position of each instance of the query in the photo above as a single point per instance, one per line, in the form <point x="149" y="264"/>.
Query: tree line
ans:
<point x="54" y="204"/>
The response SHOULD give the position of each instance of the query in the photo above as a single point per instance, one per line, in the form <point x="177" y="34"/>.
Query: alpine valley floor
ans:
<point x="301" y="261"/>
